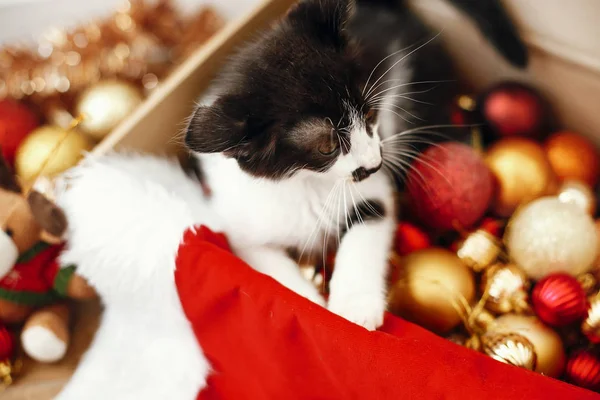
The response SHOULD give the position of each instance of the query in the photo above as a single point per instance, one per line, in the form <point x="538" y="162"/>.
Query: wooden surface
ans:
<point x="44" y="381"/>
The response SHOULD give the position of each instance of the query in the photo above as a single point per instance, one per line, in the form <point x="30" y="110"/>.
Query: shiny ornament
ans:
<point x="432" y="286"/>
<point x="548" y="236"/>
<point x="449" y="185"/>
<point x="514" y="109"/>
<point x="588" y="282"/>
<point x="507" y="287"/>
<point x="579" y="194"/>
<point x="479" y="250"/>
<point x="457" y="338"/>
<point x="583" y="369"/>
<point x="522" y="171"/>
<point x="16" y="122"/>
<point x="105" y="105"/>
<point x="591" y="324"/>
<point x="7" y="345"/>
<point x="573" y="157"/>
<point x="559" y="300"/>
<point x="410" y="238"/>
<point x="55" y="147"/>
<point x="547" y="343"/>
<point x="492" y="226"/>
<point x="510" y="348"/>
<point x="6" y="371"/>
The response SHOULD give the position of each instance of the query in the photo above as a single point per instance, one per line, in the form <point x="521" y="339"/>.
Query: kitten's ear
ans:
<point x="214" y="129"/>
<point x="328" y="17"/>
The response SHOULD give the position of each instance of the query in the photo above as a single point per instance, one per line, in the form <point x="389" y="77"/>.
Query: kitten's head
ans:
<point x="292" y="101"/>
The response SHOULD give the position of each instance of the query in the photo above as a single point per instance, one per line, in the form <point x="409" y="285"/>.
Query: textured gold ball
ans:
<point x="547" y="344"/>
<point x="510" y="348"/>
<point x="507" y="287"/>
<point x="479" y="250"/>
<point x="523" y="173"/>
<point x="43" y="145"/>
<point x="579" y="194"/>
<point x="548" y="236"/>
<point x="432" y="283"/>
<point x="105" y="105"/>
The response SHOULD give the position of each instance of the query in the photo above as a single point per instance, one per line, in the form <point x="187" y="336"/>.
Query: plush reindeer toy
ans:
<point x="32" y="283"/>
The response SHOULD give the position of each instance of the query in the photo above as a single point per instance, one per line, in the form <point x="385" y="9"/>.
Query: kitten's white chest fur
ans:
<point x="262" y="218"/>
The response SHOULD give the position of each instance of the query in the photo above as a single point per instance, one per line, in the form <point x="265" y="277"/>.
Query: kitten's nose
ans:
<point x="360" y="174"/>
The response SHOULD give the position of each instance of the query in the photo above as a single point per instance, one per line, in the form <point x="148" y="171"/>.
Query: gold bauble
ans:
<point x="573" y="156"/>
<point x="591" y="325"/>
<point x="579" y="194"/>
<point x="547" y="236"/>
<point x="432" y="285"/>
<point x="547" y="343"/>
<point x="510" y="348"/>
<point x="105" y="105"/>
<point x="523" y="173"/>
<point x="61" y="149"/>
<point x="479" y="250"/>
<point x="507" y="287"/>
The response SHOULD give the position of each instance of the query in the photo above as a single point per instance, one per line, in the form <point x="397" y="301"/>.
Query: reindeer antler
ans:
<point x="8" y="180"/>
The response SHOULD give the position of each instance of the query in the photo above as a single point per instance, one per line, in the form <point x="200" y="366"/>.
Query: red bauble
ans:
<point x="16" y="122"/>
<point x="514" y="109"/>
<point x="559" y="300"/>
<point x="450" y="186"/>
<point x="7" y="344"/>
<point x="583" y="369"/>
<point x="492" y="226"/>
<point x="409" y="238"/>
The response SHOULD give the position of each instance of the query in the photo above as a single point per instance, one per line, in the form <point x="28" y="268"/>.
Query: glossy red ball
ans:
<point x="7" y="344"/>
<point x="449" y="186"/>
<point x="559" y="300"/>
<point x="583" y="369"/>
<point x="409" y="238"/>
<point x="16" y="122"/>
<point x="514" y="109"/>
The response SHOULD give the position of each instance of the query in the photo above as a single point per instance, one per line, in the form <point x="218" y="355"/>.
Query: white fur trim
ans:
<point x="8" y="254"/>
<point x="42" y="344"/>
<point x="127" y="215"/>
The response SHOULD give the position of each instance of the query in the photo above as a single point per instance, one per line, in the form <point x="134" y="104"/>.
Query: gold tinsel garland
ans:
<point x="140" y="43"/>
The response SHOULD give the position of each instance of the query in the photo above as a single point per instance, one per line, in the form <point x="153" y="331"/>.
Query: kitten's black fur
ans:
<point x="282" y="103"/>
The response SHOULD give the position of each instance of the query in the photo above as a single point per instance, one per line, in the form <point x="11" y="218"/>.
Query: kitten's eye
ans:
<point x="329" y="145"/>
<point x="9" y="232"/>
<point x="371" y="114"/>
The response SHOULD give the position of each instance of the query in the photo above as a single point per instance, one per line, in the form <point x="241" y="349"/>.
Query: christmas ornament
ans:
<point x="510" y="348"/>
<point x="433" y="289"/>
<point x="449" y="184"/>
<point x="7" y="346"/>
<point x="546" y="342"/>
<point x="523" y="173"/>
<point x="588" y="282"/>
<point x="579" y="194"/>
<point x="548" y="236"/>
<point x="409" y="238"/>
<point x="591" y="324"/>
<point x="514" y="109"/>
<point x="41" y="143"/>
<point x="105" y="105"/>
<point x="573" y="157"/>
<point x="479" y="250"/>
<point x="507" y="287"/>
<point x="583" y="369"/>
<point x="492" y="226"/>
<point x="16" y="122"/>
<point x="559" y="300"/>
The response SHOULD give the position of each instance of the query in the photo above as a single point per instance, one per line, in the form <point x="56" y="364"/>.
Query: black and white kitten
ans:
<point x="293" y="139"/>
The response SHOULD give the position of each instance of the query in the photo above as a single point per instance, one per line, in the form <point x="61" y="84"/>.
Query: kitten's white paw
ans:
<point x="307" y="290"/>
<point x="364" y="309"/>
